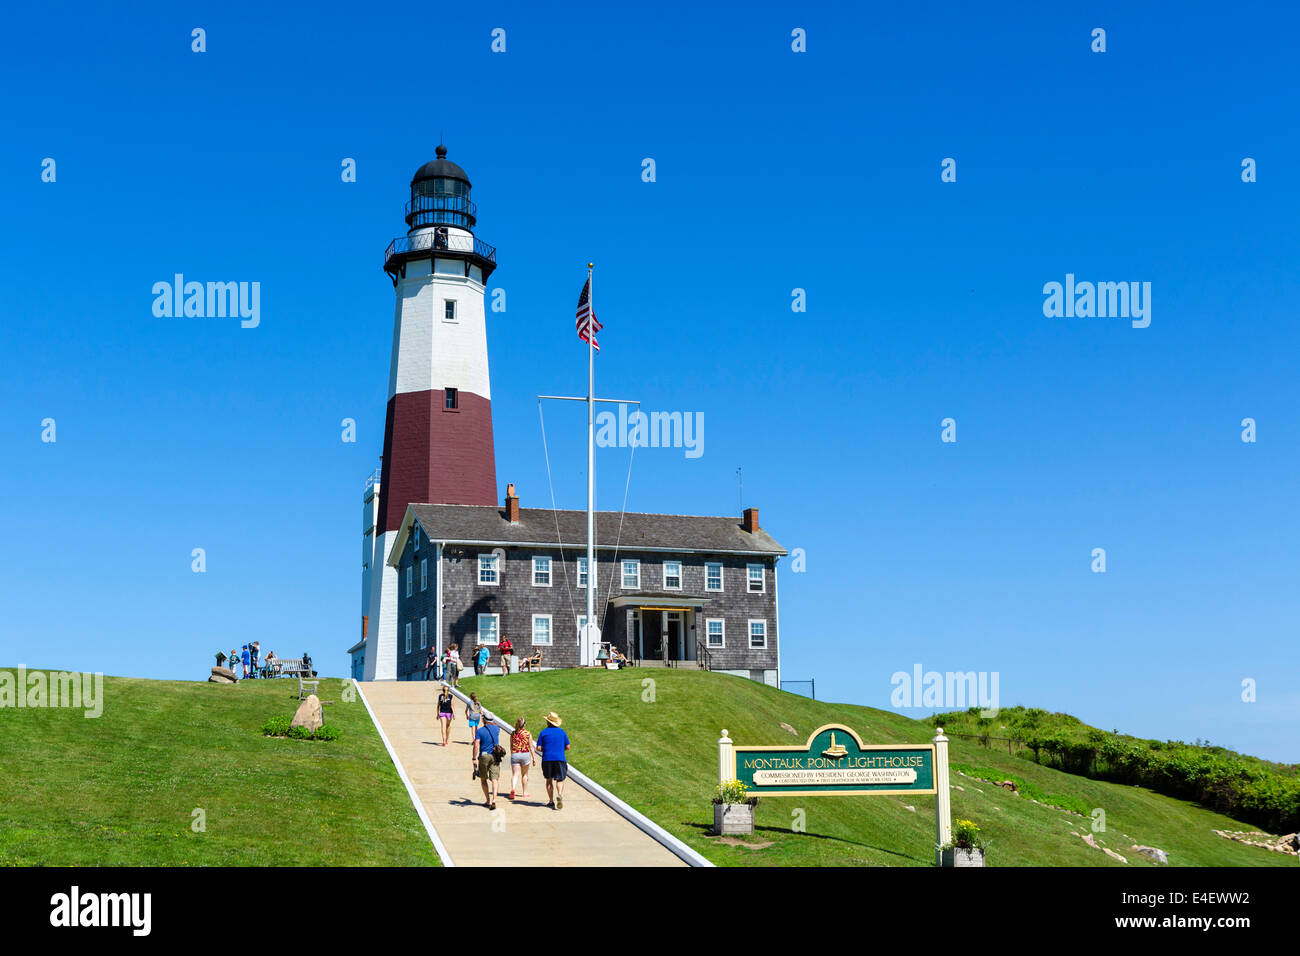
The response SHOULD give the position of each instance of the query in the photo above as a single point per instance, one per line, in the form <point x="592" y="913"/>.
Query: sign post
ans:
<point x="835" y="762"/>
<point x="942" y="798"/>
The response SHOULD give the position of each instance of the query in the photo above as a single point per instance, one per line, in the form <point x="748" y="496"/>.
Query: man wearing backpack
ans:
<point x="487" y="760"/>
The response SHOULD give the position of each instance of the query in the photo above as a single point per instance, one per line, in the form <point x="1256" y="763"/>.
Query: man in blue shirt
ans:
<point x="481" y="658"/>
<point x="551" y="745"/>
<point x="243" y="659"/>
<point x="487" y="766"/>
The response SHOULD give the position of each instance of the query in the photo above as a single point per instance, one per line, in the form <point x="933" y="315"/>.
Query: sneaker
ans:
<point x="559" y="803"/>
<point x="492" y="805"/>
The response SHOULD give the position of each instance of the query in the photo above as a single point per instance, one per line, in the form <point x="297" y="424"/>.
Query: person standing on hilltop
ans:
<point x="253" y="653"/>
<point x="244" y="659"/>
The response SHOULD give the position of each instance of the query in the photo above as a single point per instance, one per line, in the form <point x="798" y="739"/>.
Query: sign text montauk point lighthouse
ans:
<point x="438" y="425"/>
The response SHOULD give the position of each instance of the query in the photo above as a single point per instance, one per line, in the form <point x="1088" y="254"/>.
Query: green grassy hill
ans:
<point x="121" y="789"/>
<point x="661" y="757"/>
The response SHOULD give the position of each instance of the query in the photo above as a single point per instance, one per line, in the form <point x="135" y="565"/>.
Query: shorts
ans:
<point x="445" y="715"/>
<point x="524" y="759"/>
<point x="472" y="723"/>
<point x="555" y="769"/>
<point x="488" y="769"/>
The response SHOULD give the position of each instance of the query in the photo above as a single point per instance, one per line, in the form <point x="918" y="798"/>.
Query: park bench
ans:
<point x="304" y="684"/>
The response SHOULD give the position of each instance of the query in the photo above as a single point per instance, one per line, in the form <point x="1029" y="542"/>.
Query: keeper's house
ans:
<point x="672" y="590"/>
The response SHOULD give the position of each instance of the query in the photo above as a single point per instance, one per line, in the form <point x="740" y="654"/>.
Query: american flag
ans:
<point x="586" y="318"/>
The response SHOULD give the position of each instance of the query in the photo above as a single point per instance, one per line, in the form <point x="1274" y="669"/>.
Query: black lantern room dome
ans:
<point x="440" y="195"/>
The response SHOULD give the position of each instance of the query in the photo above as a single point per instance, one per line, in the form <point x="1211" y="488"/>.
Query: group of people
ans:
<point x="487" y="753"/>
<point x="448" y="665"/>
<point x="245" y="663"/>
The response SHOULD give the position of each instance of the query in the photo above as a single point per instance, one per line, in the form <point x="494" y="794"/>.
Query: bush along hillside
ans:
<point x="1247" y="788"/>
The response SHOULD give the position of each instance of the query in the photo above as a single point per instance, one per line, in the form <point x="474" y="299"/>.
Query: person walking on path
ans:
<point x="551" y="746"/>
<point x="445" y="712"/>
<point x="481" y="658"/>
<point x="521" y="758"/>
<point x="431" y="662"/>
<point x="507" y="649"/>
<point x="451" y="666"/>
<point x="487" y="759"/>
<point x="473" y="714"/>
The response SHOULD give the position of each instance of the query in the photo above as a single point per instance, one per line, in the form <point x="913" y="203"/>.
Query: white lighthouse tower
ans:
<point x="438" y="427"/>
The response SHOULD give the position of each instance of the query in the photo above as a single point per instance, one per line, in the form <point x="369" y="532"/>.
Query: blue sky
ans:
<point x="775" y="171"/>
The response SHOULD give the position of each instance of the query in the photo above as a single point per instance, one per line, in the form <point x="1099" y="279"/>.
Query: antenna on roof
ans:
<point x="741" y="479"/>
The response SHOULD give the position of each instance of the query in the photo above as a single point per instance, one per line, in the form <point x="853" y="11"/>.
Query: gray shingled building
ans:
<point x="672" y="590"/>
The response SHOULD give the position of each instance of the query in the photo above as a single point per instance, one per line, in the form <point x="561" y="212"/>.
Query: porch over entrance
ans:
<point x="659" y="629"/>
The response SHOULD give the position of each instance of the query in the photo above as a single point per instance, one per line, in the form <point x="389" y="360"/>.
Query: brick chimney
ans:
<point x="512" y="504"/>
<point x="750" y="523"/>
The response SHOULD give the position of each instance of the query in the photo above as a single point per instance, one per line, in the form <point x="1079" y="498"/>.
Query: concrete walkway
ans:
<point x="519" y="833"/>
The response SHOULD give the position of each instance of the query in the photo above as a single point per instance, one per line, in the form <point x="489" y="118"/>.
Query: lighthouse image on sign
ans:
<point x="438" y="424"/>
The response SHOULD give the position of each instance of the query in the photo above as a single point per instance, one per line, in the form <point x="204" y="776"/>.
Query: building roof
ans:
<point x="440" y="168"/>
<point x="487" y="524"/>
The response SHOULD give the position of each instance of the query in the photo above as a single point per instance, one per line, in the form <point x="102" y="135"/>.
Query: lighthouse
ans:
<point x="438" y="423"/>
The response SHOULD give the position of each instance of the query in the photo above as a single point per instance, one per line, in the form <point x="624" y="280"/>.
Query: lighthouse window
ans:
<point x="449" y="309"/>
<point x="452" y="400"/>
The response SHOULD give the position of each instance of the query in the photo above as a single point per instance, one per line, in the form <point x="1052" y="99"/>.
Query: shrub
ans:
<point x="277" y="726"/>
<point x="327" y="732"/>
<point x="300" y="733"/>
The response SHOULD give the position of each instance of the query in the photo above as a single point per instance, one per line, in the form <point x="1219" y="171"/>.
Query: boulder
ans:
<point x="1153" y="854"/>
<point x="222" y="675"/>
<point x="1111" y="853"/>
<point x="1008" y="785"/>
<point x="309" y="714"/>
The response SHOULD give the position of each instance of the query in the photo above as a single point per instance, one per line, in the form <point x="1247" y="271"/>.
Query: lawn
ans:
<point x="656" y="747"/>
<point x="122" y="789"/>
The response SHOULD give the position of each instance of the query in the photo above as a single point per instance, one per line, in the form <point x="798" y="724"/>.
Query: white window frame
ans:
<point x="495" y="570"/>
<point x="424" y="574"/>
<point x="749" y="580"/>
<point x="408" y="637"/>
<point x="670" y="587"/>
<point x="455" y="311"/>
<point x="409" y="569"/>
<point x="713" y="564"/>
<point x="550" y="631"/>
<point x="622" y="574"/>
<point x="478" y="634"/>
<point x="708" y="637"/>
<point x="424" y="633"/>
<point x="547" y="572"/>
<point x="582" y="573"/>
<point x="752" y="645"/>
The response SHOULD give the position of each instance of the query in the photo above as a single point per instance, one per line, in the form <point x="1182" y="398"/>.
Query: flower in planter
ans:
<point x="966" y="835"/>
<point x="731" y="791"/>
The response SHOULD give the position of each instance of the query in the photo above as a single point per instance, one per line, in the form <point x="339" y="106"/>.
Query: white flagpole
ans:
<point x="588" y="632"/>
